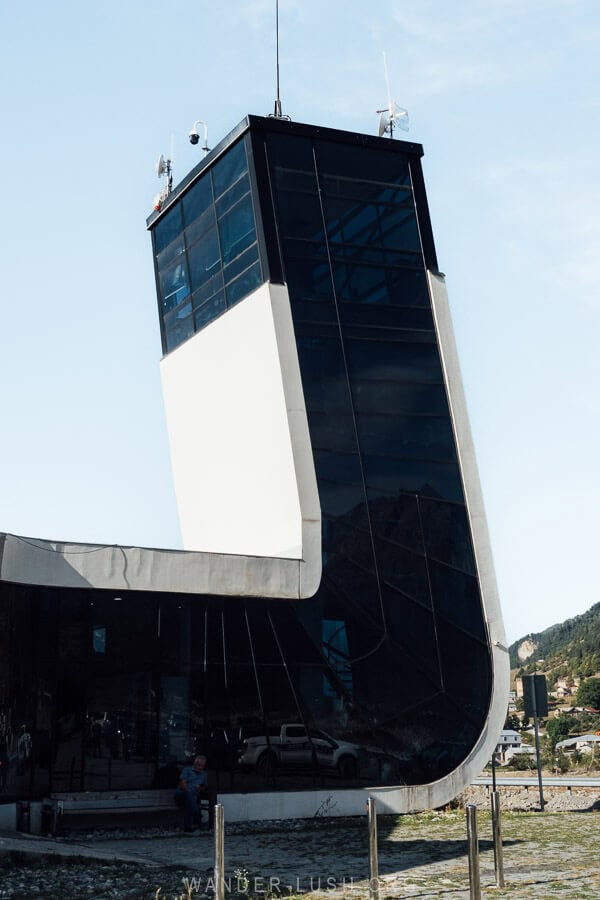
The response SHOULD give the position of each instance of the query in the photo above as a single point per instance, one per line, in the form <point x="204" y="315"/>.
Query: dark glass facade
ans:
<point x="386" y="671"/>
<point x="206" y="250"/>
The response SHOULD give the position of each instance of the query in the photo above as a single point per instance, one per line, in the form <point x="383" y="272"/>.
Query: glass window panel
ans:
<point x="405" y="259"/>
<point x="200" y="226"/>
<point x="386" y="260"/>
<point x="456" y="597"/>
<point x="295" y="154"/>
<point x="405" y="570"/>
<point x="236" y="230"/>
<point x="308" y="278"/>
<point x="466" y="667"/>
<point x="330" y="431"/>
<point x="383" y="333"/>
<point x="179" y="333"/>
<point x="395" y="398"/>
<point x="240" y="263"/>
<point x="431" y="479"/>
<point x="340" y="468"/>
<point x="338" y="499"/>
<point x="373" y="191"/>
<point x="357" y="164"/>
<point x="213" y="649"/>
<point x="304" y="248"/>
<point x="399" y="228"/>
<point x="297" y="646"/>
<point x="447" y="534"/>
<point x="174" y="284"/>
<point x="391" y="361"/>
<point x="407" y="318"/>
<point x="320" y="357"/>
<point x="262" y="639"/>
<point x="243" y="285"/>
<point x="237" y="643"/>
<point x="295" y="180"/>
<point x="175" y="248"/>
<point x="197" y="200"/>
<point x="405" y="287"/>
<point x="167" y="229"/>
<point x="396" y="518"/>
<point x="315" y="311"/>
<point x="209" y="310"/>
<point x="327" y="394"/>
<point x="229" y="168"/>
<point x="99" y="639"/>
<point x="412" y="625"/>
<point x="344" y="541"/>
<point x="208" y="289"/>
<point x="361" y="284"/>
<point x="204" y="258"/>
<point x="348" y="221"/>
<point x="180" y="312"/>
<point x="299" y="215"/>
<point x="424" y="437"/>
<point x="231" y="197"/>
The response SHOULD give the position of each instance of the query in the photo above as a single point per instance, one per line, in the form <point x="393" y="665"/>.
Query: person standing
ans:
<point x="193" y="785"/>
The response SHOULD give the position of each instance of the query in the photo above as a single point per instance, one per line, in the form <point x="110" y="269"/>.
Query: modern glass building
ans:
<point x="333" y="624"/>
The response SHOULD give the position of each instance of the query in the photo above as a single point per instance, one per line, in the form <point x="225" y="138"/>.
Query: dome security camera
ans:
<point x="194" y="136"/>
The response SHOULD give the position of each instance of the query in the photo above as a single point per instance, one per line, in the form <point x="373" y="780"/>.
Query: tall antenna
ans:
<point x="393" y="116"/>
<point x="277" y="111"/>
<point x="277" y="114"/>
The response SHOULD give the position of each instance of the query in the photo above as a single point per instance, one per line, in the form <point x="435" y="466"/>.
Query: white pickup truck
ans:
<point x="293" y="747"/>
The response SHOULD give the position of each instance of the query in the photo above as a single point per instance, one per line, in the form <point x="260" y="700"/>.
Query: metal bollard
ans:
<point x="497" y="831"/>
<point x="219" y="852"/>
<point x="473" y="848"/>
<point x="373" y="860"/>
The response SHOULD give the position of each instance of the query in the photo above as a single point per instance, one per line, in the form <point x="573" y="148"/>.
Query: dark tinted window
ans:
<point x="209" y="247"/>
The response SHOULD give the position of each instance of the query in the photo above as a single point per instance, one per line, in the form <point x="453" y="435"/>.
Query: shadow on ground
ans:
<point x="408" y="854"/>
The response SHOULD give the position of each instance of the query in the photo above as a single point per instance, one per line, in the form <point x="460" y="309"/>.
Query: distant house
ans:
<point x="508" y="740"/>
<point x="583" y="743"/>
<point x="523" y="750"/>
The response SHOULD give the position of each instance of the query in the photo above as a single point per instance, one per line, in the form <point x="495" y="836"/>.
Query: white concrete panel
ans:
<point x="26" y="560"/>
<point x="231" y="447"/>
<point x="479" y="531"/>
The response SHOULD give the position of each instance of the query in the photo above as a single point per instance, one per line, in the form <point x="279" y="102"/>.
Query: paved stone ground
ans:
<point x="422" y="856"/>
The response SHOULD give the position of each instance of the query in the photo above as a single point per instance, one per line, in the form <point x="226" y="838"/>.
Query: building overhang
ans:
<point x="33" y="561"/>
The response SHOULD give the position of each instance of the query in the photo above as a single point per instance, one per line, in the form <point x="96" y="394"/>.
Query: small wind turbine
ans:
<point x="393" y="116"/>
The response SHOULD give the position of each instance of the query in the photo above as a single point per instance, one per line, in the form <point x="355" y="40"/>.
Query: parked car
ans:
<point x="295" y="747"/>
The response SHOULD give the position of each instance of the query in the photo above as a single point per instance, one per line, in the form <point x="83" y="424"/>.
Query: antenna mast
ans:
<point x="277" y="114"/>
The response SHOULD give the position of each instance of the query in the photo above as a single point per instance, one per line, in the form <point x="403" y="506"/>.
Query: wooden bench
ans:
<point x="87" y="809"/>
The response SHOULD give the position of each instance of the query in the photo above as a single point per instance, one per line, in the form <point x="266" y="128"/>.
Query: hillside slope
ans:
<point x="570" y="649"/>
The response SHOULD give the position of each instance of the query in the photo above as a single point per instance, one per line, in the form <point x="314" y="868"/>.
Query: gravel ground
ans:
<point x="421" y="856"/>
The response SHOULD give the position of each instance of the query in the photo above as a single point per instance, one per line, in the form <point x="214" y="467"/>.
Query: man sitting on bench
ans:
<point x="191" y="791"/>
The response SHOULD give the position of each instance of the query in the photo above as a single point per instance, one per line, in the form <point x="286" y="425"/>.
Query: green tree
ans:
<point x="588" y="693"/>
<point x="513" y="722"/>
<point x="558" y="729"/>
<point x="522" y="761"/>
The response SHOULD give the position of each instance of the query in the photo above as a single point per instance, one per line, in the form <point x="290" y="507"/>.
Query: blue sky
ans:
<point x="504" y="97"/>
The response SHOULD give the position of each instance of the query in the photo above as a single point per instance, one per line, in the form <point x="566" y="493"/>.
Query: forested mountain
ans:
<point x="570" y="649"/>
